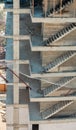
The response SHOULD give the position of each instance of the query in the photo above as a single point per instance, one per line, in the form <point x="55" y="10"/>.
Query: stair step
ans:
<point x="60" y="34"/>
<point x="55" y="109"/>
<point x="58" y="61"/>
<point x="59" y="7"/>
<point x="54" y="87"/>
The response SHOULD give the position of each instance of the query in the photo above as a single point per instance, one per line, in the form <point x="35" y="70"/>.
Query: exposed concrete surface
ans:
<point x="2" y="41"/>
<point x="2" y="124"/>
<point x="61" y="126"/>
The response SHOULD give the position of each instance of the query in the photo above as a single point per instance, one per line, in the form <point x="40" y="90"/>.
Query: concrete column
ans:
<point x="33" y="7"/>
<point x="45" y="6"/>
<point x="16" y="116"/>
<point x="16" y="4"/>
<point x="15" y="24"/>
<point x="16" y="32"/>
<point x="16" y="57"/>
<point x="16" y="50"/>
<point x="16" y="63"/>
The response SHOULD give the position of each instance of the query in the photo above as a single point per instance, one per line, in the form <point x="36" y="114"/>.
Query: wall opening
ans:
<point x="35" y="127"/>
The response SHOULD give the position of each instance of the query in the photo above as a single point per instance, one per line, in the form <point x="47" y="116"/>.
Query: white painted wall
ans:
<point x="62" y="126"/>
<point x="23" y="128"/>
<point x="23" y="115"/>
<point x="9" y="115"/>
<point x="9" y="128"/>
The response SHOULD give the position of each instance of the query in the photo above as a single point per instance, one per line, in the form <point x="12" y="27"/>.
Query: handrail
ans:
<point x="4" y="78"/>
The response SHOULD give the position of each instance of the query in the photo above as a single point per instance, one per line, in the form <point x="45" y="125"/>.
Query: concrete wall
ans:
<point x="50" y="29"/>
<point x="69" y="65"/>
<point x="10" y="128"/>
<point x="45" y="105"/>
<point x="25" y="128"/>
<point x="48" y="57"/>
<point x="68" y="11"/>
<point x="62" y="126"/>
<point x="14" y="121"/>
<point x="9" y="117"/>
<point x="23" y="115"/>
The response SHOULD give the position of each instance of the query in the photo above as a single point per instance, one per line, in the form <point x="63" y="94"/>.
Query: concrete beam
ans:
<point x="17" y="37"/>
<point x="64" y="120"/>
<point x="60" y="74"/>
<point x="18" y="11"/>
<point x="50" y="99"/>
<point x="21" y="85"/>
<point x="19" y="62"/>
<point x="51" y="48"/>
<point x="52" y="20"/>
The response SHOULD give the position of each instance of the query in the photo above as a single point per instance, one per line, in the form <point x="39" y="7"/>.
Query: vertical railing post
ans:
<point x="33" y="7"/>
<point x="60" y="8"/>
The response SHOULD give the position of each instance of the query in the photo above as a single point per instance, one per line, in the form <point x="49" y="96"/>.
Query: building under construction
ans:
<point x="41" y="64"/>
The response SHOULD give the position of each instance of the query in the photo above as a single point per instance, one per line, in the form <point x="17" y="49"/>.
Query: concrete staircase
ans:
<point x="59" y="6"/>
<point x="58" y="61"/>
<point x="52" y="88"/>
<point x="51" y="111"/>
<point x="60" y="34"/>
